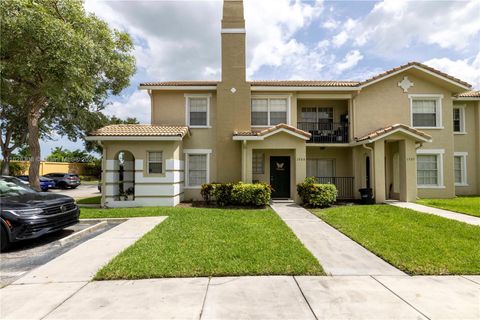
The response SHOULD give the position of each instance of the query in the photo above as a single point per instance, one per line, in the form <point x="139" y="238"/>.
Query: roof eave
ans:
<point x="134" y="138"/>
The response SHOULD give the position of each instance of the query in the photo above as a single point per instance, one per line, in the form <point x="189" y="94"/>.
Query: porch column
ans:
<point x="300" y="169"/>
<point x="247" y="175"/>
<point x="408" y="170"/>
<point x="379" y="167"/>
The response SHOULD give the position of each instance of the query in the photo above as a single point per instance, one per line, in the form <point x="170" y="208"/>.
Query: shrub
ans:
<point x="317" y="195"/>
<point x="222" y="193"/>
<point x="257" y="194"/>
<point x="242" y="194"/>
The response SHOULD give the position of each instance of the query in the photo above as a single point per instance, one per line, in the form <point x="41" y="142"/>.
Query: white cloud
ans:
<point x="350" y="60"/>
<point x="464" y="69"/>
<point x="330" y="24"/>
<point x="394" y="25"/>
<point x="340" y="39"/>
<point x="137" y="105"/>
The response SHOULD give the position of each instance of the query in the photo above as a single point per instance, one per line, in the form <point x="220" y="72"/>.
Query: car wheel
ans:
<point x="4" y="244"/>
<point x="62" y="185"/>
<point x="73" y="187"/>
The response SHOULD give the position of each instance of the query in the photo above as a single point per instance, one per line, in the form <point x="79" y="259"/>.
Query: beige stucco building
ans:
<point x="409" y="132"/>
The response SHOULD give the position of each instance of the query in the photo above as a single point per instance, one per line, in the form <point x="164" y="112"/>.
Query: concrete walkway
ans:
<point x="272" y="297"/>
<point x="438" y="212"/>
<point x="338" y="254"/>
<point x="42" y="290"/>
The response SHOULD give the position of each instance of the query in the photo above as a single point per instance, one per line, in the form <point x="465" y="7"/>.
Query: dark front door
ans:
<point x="280" y="176"/>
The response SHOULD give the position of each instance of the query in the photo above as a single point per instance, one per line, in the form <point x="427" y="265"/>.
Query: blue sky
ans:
<point x="286" y="39"/>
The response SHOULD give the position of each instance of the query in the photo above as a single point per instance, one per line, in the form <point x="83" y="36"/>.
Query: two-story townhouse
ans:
<point x="409" y="132"/>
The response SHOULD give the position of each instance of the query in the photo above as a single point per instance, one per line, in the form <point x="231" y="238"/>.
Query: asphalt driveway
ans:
<point x="82" y="191"/>
<point x="26" y="255"/>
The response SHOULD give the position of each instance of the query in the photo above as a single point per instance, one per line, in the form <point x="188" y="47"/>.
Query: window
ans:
<point x="459" y="120"/>
<point x="312" y="116"/>
<point x="197" y="167"/>
<point x="269" y="111"/>
<point x="320" y="168"/>
<point x="259" y="112"/>
<point x="460" y="168"/>
<point x="198" y="111"/>
<point x="430" y="168"/>
<point x="258" y="163"/>
<point x="155" y="162"/>
<point x="426" y="111"/>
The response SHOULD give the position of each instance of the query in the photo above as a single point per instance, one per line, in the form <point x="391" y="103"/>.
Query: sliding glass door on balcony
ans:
<point x="319" y="122"/>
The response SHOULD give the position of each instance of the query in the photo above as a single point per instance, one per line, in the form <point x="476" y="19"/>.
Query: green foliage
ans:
<point x="16" y="168"/>
<point x="64" y="155"/>
<point x="255" y="195"/>
<point x="241" y="194"/>
<point x="94" y="169"/>
<point x="59" y="65"/>
<point x="316" y="195"/>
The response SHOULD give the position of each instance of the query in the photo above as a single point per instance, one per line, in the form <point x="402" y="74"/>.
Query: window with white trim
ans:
<point x="430" y="168"/>
<point x="425" y="112"/>
<point x="197" y="169"/>
<point x="197" y="111"/>
<point x="269" y="111"/>
<point x="258" y="163"/>
<point x="459" y="120"/>
<point x="155" y="162"/>
<point x="460" y="168"/>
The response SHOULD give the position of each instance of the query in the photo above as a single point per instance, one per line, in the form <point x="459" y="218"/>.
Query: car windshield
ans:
<point x="13" y="187"/>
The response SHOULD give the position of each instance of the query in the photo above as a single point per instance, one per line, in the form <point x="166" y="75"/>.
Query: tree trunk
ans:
<point x="34" y="143"/>
<point x="5" y="163"/>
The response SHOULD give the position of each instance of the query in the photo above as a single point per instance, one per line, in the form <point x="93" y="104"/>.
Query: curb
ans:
<point x="80" y="233"/>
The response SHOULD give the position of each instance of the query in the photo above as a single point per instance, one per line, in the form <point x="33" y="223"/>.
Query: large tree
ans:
<point x="62" y="64"/>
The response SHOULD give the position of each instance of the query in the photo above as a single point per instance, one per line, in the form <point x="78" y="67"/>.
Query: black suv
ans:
<point x="28" y="214"/>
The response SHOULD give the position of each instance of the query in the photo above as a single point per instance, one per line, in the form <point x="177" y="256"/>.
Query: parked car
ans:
<point x="64" y="180"/>
<point x="28" y="214"/>
<point x="45" y="183"/>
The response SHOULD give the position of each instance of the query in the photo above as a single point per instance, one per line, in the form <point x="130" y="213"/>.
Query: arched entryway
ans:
<point x="124" y="189"/>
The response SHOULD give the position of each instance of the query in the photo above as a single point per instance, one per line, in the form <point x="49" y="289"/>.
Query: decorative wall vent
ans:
<point x="405" y="84"/>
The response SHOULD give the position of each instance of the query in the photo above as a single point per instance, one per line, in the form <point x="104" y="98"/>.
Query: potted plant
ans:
<point x="130" y="194"/>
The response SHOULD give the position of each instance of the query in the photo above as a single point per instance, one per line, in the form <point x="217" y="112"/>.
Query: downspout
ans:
<point x="103" y="176"/>
<point x="372" y="164"/>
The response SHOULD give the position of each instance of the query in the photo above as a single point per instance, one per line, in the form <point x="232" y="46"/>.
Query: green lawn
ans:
<point x="209" y="242"/>
<point x="414" y="242"/>
<point x="92" y="200"/>
<point x="467" y="205"/>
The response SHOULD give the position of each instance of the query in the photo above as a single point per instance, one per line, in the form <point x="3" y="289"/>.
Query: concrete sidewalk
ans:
<point x="267" y="297"/>
<point x="438" y="212"/>
<point x="338" y="254"/>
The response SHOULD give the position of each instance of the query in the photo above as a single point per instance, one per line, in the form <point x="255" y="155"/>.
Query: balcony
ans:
<point x="344" y="186"/>
<point x="325" y="132"/>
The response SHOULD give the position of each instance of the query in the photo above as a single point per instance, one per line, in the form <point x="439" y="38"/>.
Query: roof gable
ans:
<point x="262" y="134"/>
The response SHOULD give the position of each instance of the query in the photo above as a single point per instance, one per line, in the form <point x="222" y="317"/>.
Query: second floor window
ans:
<point x="197" y="111"/>
<point x="269" y="111"/>
<point x="425" y="113"/>
<point x="458" y="120"/>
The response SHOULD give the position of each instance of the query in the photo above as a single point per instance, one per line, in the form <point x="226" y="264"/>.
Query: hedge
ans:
<point x="241" y="194"/>
<point x="317" y="195"/>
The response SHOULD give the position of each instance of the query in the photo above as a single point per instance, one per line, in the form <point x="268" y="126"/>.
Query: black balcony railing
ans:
<point x="325" y="132"/>
<point x="344" y="186"/>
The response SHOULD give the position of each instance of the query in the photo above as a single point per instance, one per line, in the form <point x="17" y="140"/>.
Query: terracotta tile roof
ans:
<point x="311" y="83"/>
<point x="387" y="130"/>
<point x="259" y="133"/>
<point x="418" y="64"/>
<point x="303" y="83"/>
<point x="140" y="130"/>
<point x="187" y="83"/>
<point x="469" y="94"/>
